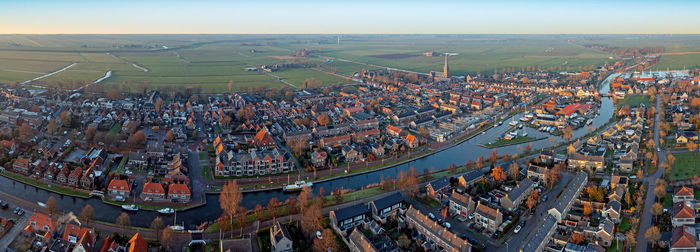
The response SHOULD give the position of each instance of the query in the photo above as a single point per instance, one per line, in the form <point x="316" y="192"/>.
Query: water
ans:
<point x="459" y="154"/>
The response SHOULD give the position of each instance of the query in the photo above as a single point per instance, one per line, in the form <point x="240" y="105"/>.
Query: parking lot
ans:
<point x="20" y="221"/>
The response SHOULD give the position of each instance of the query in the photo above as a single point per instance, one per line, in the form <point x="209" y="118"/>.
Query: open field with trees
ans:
<point x="211" y="61"/>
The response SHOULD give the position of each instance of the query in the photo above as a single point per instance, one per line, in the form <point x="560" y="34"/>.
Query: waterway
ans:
<point x="458" y="154"/>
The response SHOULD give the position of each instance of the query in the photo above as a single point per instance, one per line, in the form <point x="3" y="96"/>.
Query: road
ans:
<point x="18" y="226"/>
<point x="645" y="223"/>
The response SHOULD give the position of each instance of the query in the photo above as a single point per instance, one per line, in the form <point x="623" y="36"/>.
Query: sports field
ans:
<point x="211" y="61"/>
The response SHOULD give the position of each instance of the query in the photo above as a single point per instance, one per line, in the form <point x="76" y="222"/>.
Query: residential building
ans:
<point x="684" y="194"/>
<point x="566" y="197"/>
<point x="357" y="242"/>
<point x="41" y="225"/>
<point x="683" y="214"/>
<point x="518" y="195"/>
<point x="437" y="188"/>
<point x="589" y="162"/>
<point x="435" y="232"/>
<point x="684" y="239"/>
<point x="347" y="218"/>
<point x="152" y="191"/>
<point x="179" y="192"/>
<point x="461" y="204"/>
<point x="487" y="217"/>
<point x="381" y="209"/>
<point x="280" y="238"/>
<point x="118" y="187"/>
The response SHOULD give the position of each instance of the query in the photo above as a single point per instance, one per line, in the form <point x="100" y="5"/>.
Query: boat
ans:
<point x="177" y="228"/>
<point x="41" y="204"/>
<point x="520" y="126"/>
<point x="524" y="134"/>
<point x="500" y="123"/>
<point x="297" y="186"/>
<point x="589" y="122"/>
<point x="166" y="211"/>
<point x="132" y="208"/>
<point x="513" y="123"/>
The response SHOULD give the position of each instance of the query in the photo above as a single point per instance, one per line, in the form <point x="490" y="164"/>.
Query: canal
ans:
<point x="458" y="154"/>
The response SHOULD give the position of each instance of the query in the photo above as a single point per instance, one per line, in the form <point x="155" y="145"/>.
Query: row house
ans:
<point x="74" y="177"/>
<point x="253" y="162"/>
<point x="433" y="231"/>
<point x="21" y="165"/>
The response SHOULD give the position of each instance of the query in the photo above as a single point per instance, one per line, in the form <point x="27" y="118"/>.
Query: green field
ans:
<point x="503" y="142"/>
<point x="634" y="100"/>
<point x="686" y="166"/>
<point x="211" y="61"/>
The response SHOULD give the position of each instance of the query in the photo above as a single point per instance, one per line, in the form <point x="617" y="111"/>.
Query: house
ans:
<point x="357" y="242"/>
<point x="62" y="177"/>
<point x="86" y="243"/>
<point x="683" y="214"/>
<point x="280" y="239"/>
<point x="684" y="136"/>
<point x="542" y="235"/>
<point x="435" y="232"/>
<point x="179" y="193"/>
<point x="75" y="233"/>
<point x="461" y="204"/>
<point x="411" y="141"/>
<point x="470" y="178"/>
<point x="351" y="155"/>
<point x="538" y="172"/>
<point x="152" y="191"/>
<point x="137" y="244"/>
<point x="88" y="178"/>
<point x="349" y="217"/>
<point x="518" y="195"/>
<point x="685" y="194"/>
<point x="589" y="162"/>
<point x="683" y="239"/>
<point x="393" y="130"/>
<point x="118" y="187"/>
<point x="612" y="211"/>
<point x="566" y="197"/>
<point x="335" y="141"/>
<point x="264" y="140"/>
<point x="318" y="158"/>
<point x="487" y="217"/>
<point x="387" y="206"/>
<point x="74" y="177"/>
<point x="605" y="233"/>
<point x="437" y="188"/>
<point x="42" y="225"/>
<point x="138" y="159"/>
<point x="21" y="165"/>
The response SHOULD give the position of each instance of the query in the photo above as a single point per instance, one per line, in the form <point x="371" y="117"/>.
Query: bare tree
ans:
<point x="52" y="205"/>
<point x="230" y="199"/>
<point x="157" y="227"/>
<point x="123" y="221"/>
<point x="87" y="214"/>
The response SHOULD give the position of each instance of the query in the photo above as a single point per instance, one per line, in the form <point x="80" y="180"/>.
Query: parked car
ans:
<point x="517" y="229"/>
<point x="447" y="225"/>
<point x="431" y="216"/>
<point x="4" y="205"/>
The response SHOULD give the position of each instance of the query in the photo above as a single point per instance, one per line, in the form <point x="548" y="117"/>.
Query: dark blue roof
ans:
<point x="388" y="201"/>
<point x="350" y="212"/>
<point x="472" y="175"/>
<point x="440" y="183"/>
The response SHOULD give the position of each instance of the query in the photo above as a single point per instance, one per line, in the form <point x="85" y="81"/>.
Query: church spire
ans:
<point x="446" y="69"/>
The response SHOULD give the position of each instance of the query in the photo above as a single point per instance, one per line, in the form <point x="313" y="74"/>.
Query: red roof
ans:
<point x="180" y="189"/>
<point x="119" y="185"/>
<point x="137" y="244"/>
<point x="151" y="187"/>
<point x="682" y="239"/>
<point x="682" y="210"/>
<point x="568" y="110"/>
<point x="75" y="230"/>
<point x="41" y="220"/>
<point x="684" y="191"/>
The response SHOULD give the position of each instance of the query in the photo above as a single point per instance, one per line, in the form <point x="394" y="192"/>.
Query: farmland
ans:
<point x="211" y="61"/>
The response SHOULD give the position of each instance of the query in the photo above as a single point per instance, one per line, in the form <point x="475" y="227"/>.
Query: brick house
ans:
<point x="118" y="187"/>
<point x="21" y="165"/>
<point x="74" y="177"/>
<point x="154" y="191"/>
<point x="179" y="192"/>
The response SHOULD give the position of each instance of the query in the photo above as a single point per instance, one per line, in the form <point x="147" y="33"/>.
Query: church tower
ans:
<point x="446" y="69"/>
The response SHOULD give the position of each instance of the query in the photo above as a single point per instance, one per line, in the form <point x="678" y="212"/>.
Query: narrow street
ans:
<point x="645" y="222"/>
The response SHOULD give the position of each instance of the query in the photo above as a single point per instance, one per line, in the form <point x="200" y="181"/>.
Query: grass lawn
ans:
<point x="120" y="168"/>
<point x="634" y="100"/>
<point x="614" y="248"/>
<point x="359" y="194"/>
<point x="115" y="129"/>
<point x="503" y="142"/>
<point x="297" y="76"/>
<point x="205" y="172"/>
<point x="686" y="166"/>
<point x="668" y="200"/>
<point x="55" y="188"/>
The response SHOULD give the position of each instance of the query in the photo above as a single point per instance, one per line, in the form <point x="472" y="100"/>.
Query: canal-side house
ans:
<point x="684" y="194"/>
<point x="41" y="225"/>
<point x="118" y="187"/>
<point x="436" y="189"/>
<point x="588" y="162"/>
<point x="152" y="191"/>
<point x="74" y="177"/>
<point x="62" y="177"/>
<point x="347" y="218"/>
<point x="21" y="165"/>
<point x="387" y="206"/>
<point x="280" y="239"/>
<point x="515" y="197"/>
<point x="683" y="214"/>
<point x="470" y="178"/>
<point x="487" y="217"/>
<point x="357" y="242"/>
<point x="179" y="192"/>
<point x="461" y="204"/>
<point x="683" y="239"/>
<point x="88" y="179"/>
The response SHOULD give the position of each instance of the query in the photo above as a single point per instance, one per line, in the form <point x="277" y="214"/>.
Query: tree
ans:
<point x="303" y="197"/>
<point x="657" y="209"/>
<point x="272" y="207"/>
<point x="480" y="162"/>
<point x="157" y="226"/>
<point x="66" y="118"/>
<point x="312" y="219"/>
<point x="514" y="170"/>
<point x="52" y="126"/>
<point x="87" y="214"/>
<point x="169" y="136"/>
<point x="242" y="218"/>
<point x="625" y="110"/>
<point x="323" y="119"/>
<point x="230" y="198"/>
<point x="660" y="192"/>
<point x="630" y="239"/>
<point x="568" y="132"/>
<point x="497" y="174"/>
<point x="138" y="138"/>
<point x="587" y="210"/>
<point x="328" y="243"/>
<point x="51" y="205"/>
<point x="692" y="146"/>
<point x="532" y="199"/>
<point x="113" y="94"/>
<point x="403" y="241"/>
<point x="494" y="156"/>
<point x="167" y="238"/>
<point x="24" y="132"/>
<point x="527" y="149"/>
<point x="258" y="212"/>
<point x="123" y="221"/>
<point x="576" y="238"/>
<point x="408" y="182"/>
<point x="653" y="235"/>
<point x="554" y="174"/>
<point x="159" y="104"/>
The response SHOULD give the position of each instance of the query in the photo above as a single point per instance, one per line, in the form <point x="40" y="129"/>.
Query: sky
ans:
<point x="349" y="17"/>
